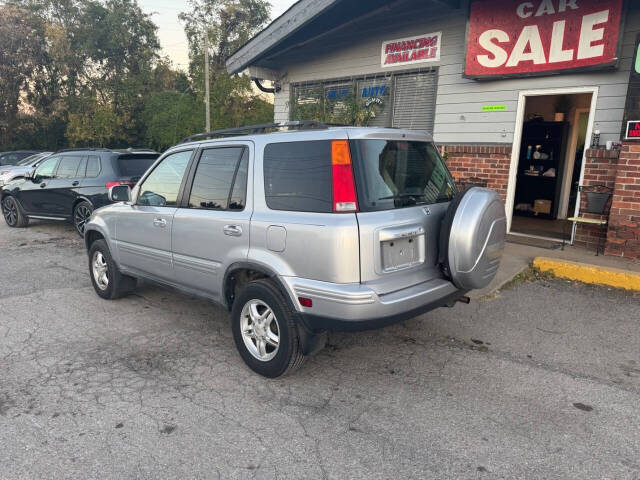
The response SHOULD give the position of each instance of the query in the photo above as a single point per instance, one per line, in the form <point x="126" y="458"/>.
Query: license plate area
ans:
<point x="401" y="249"/>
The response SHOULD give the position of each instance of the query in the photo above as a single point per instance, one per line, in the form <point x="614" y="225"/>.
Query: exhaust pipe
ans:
<point x="464" y="299"/>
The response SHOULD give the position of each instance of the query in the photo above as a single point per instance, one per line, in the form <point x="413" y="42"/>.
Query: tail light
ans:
<point x="121" y="182"/>
<point x="344" y="188"/>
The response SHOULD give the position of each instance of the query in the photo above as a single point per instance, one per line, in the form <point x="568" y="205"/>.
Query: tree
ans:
<point x="229" y="24"/>
<point x="21" y="53"/>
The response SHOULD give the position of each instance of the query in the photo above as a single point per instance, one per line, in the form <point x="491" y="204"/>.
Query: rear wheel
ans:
<point x="81" y="214"/>
<point x="264" y="330"/>
<point x="13" y="214"/>
<point x="107" y="280"/>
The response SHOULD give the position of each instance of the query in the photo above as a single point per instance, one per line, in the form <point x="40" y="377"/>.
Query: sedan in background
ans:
<point x="12" y="158"/>
<point x="13" y="172"/>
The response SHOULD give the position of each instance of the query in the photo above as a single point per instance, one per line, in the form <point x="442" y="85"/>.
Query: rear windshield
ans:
<point x="394" y="174"/>
<point x="135" y="166"/>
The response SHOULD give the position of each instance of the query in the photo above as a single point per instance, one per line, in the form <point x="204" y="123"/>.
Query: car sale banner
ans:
<point x="516" y="38"/>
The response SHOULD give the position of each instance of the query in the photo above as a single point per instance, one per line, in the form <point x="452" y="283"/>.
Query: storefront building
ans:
<point x="524" y="97"/>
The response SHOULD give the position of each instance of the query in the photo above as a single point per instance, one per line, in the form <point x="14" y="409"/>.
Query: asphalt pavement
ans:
<point x="540" y="380"/>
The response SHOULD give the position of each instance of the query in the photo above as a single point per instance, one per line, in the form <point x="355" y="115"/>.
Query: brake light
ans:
<point x="344" y="188"/>
<point x="120" y="182"/>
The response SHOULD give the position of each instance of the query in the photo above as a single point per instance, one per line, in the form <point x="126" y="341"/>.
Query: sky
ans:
<point x="170" y="31"/>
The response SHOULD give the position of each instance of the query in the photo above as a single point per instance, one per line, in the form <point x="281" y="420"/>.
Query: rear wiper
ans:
<point x="402" y="195"/>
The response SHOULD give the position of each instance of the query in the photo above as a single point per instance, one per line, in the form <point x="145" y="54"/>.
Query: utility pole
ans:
<point x="206" y="82"/>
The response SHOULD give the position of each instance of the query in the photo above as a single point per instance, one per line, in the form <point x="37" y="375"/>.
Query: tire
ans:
<point x="13" y="213"/>
<point x="117" y="285"/>
<point x="81" y="213"/>
<point x="288" y="356"/>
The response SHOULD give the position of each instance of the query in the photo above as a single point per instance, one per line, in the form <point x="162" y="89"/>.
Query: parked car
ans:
<point x="70" y="184"/>
<point x="300" y="232"/>
<point x="12" y="172"/>
<point x="11" y="158"/>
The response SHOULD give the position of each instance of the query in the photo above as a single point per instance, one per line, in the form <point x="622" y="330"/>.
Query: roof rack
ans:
<point x="115" y="150"/>
<point x="93" y="149"/>
<point x="255" y="129"/>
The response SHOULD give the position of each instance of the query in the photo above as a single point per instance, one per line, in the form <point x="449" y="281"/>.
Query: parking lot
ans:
<point x="541" y="380"/>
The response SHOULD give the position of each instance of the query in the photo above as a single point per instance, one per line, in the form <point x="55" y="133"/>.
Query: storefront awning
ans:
<point x="305" y="20"/>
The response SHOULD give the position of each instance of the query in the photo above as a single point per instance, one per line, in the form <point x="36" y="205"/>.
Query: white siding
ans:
<point x="355" y="51"/>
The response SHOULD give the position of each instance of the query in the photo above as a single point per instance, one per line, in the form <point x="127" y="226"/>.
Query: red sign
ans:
<point x="514" y="37"/>
<point x="633" y="130"/>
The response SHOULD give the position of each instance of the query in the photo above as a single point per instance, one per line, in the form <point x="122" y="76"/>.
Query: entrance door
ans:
<point x="548" y="138"/>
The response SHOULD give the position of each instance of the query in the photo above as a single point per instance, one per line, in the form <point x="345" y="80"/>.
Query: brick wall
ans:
<point x="600" y="169"/>
<point x="623" y="237"/>
<point x="487" y="165"/>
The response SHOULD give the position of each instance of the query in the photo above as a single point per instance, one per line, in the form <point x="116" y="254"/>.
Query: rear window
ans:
<point x="394" y="174"/>
<point x="130" y="166"/>
<point x="297" y="176"/>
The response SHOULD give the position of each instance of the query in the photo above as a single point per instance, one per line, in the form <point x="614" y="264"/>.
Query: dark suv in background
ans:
<point x="70" y="184"/>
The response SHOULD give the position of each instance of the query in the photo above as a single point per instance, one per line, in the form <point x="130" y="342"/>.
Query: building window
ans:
<point x="405" y="100"/>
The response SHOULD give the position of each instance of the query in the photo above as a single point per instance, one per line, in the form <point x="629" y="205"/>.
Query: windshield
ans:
<point x="394" y="174"/>
<point x="32" y="159"/>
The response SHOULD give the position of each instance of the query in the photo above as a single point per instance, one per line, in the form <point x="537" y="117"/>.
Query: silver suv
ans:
<point x="299" y="232"/>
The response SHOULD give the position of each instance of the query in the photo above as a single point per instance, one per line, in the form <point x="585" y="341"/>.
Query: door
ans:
<point x="211" y="229"/>
<point x="60" y="192"/>
<point x="31" y="196"/>
<point x="403" y="192"/>
<point x="143" y="232"/>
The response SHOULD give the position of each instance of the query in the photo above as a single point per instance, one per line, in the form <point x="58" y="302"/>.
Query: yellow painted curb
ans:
<point x="582" y="272"/>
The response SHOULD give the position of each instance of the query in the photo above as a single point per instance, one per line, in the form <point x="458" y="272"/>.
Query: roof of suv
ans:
<point x="308" y="130"/>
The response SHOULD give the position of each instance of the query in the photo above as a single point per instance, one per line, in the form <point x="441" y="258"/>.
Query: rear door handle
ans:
<point x="75" y="184"/>
<point x="159" y="222"/>
<point x="232" y="230"/>
<point x="43" y="184"/>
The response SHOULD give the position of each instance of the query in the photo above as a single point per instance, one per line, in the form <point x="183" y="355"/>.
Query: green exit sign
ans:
<point x="494" y="108"/>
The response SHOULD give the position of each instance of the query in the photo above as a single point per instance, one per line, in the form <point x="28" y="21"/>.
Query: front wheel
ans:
<point x="12" y="213"/>
<point x="264" y="330"/>
<point x="81" y="215"/>
<point x="107" y="280"/>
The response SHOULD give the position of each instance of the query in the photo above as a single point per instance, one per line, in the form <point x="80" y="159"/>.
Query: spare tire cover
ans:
<point x="472" y="238"/>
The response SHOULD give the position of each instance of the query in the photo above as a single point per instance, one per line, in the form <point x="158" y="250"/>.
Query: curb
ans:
<point x="594" y="274"/>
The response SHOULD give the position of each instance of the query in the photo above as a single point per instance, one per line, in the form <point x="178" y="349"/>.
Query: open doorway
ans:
<point x="547" y="162"/>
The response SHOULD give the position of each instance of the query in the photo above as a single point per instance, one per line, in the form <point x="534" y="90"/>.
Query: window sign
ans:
<point x="411" y="50"/>
<point x="516" y="38"/>
<point x="633" y="130"/>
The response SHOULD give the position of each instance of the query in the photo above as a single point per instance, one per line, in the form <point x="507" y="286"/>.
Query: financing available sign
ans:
<point x="537" y="37"/>
<point x="410" y="50"/>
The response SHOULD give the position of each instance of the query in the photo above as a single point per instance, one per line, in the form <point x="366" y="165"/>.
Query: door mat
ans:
<point x="535" y="242"/>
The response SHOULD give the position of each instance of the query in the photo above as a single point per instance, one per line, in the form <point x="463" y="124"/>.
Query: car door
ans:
<point x="143" y="231"/>
<point x="211" y="227"/>
<point x="31" y="196"/>
<point x="61" y="191"/>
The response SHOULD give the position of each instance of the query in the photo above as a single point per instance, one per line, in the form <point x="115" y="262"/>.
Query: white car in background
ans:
<point x="11" y="172"/>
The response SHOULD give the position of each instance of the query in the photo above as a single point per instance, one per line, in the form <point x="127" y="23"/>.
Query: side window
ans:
<point x="68" y="167"/>
<point x="212" y="184"/>
<point x="46" y="168"/>
<point x="239" y="194"/>
<point x="297" y="176"/>
<point x="161" y="187"/>
<point x="93" y="166"/>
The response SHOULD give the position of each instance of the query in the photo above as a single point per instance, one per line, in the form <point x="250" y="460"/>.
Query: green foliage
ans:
<point x="348" y="110"/>
<point x="88" y="73"/>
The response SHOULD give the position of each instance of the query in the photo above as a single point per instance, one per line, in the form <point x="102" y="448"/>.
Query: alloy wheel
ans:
<point x="81" y="217"/>
<point x="260" y="330"/>
<point x="10" y="211"/>
<point x="100" y="270"/>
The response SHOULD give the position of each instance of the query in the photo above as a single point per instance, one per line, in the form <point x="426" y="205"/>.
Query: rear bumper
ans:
<point x="354" y="307"/>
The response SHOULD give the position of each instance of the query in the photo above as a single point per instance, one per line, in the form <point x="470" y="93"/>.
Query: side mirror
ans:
<point x="120" y="193"/>
<point x="28" y="175"/>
